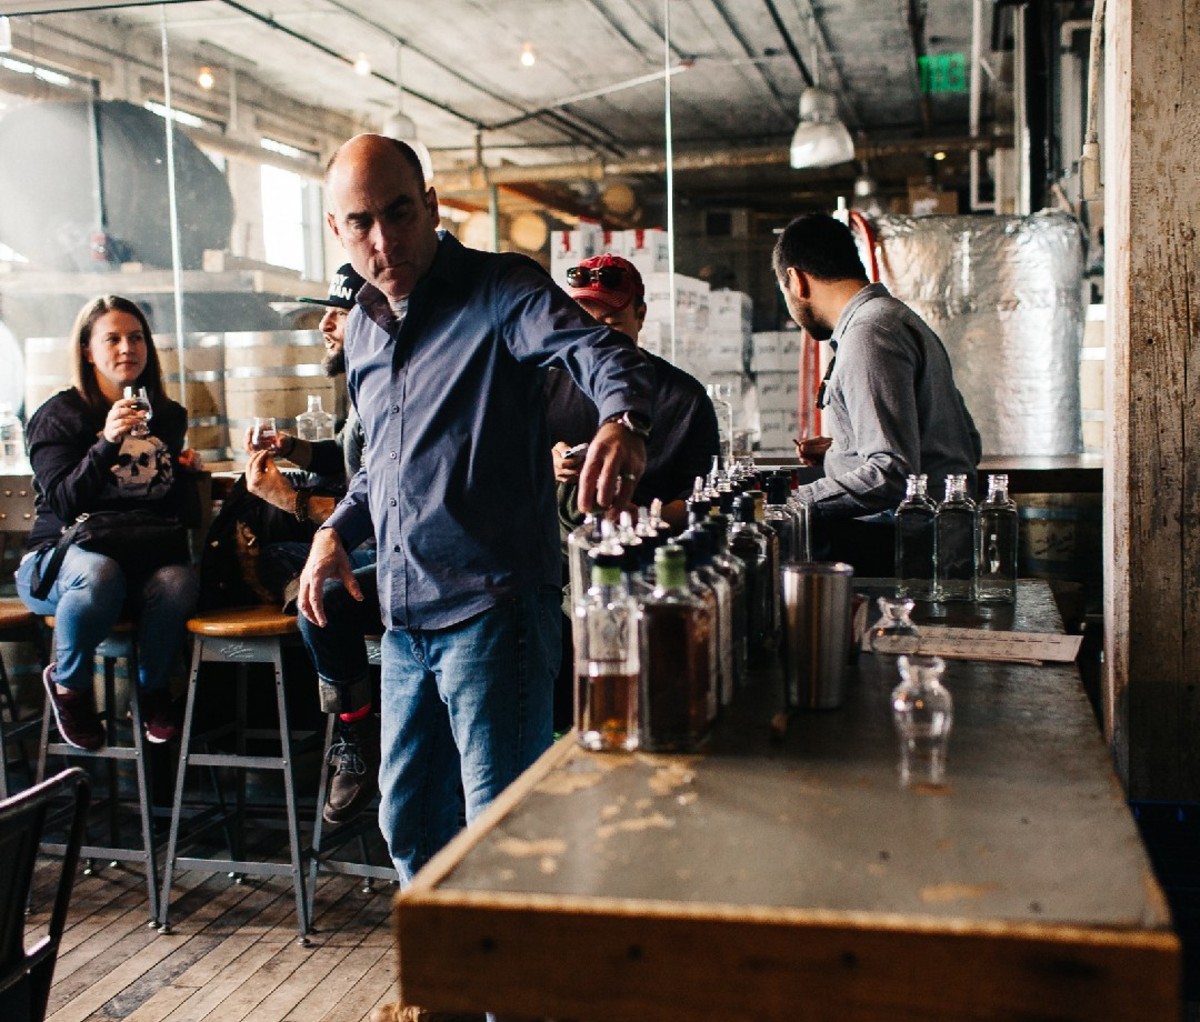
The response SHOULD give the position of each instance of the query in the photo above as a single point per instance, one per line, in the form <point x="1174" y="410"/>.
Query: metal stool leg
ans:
<point x="141" y="765"/>
<point x="185" y="745"/>
<point x="289" y="787"/>
<point x="319" y="818"/>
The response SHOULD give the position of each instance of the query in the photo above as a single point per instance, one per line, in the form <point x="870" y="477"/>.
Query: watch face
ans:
<point x="638" y="421"/>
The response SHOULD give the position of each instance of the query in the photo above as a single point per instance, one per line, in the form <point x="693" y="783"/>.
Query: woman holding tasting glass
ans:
<point x="112" y="442"/>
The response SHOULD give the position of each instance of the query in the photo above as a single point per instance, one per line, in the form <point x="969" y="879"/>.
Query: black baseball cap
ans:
<point x="343" y="286"/>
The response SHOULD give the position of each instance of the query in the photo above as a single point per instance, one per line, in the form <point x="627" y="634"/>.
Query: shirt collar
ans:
<point x="876" y="290"/>
<point x="374" y="302"/>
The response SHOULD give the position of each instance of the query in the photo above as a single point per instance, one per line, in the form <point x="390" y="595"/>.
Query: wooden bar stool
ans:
<point x="17" y="622"/>
<point x="240" y="636"/>
<point x="120" y="644"/>
<point x="322" y="860"/>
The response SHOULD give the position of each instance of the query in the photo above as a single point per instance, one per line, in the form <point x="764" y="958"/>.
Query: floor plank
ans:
<point x="232" y="955"/>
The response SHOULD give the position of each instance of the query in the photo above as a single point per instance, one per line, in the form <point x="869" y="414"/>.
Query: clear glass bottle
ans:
<point x="12" y="442"/>
<point x="996" y="565"/>
<point x="760" y="505"/>
<point x="781" y="519"/>
<point x="915" y="541"/>
<point x="717" y="526"/>
<point x="894" y="632"/>
<point x="752" y="546"/>
<point x="606" y="657"/>
<point x="721" y="395"/>
<point x="803" y="519"/>
<point x="675" y="628"/>
<point x="923" y="712"/>
<point x="580" y="542"/>
<point x="955" y="529"/>
<point x="315" y="424"/>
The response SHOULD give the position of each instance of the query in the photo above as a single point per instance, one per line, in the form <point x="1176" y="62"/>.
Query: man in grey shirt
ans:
<point x="889" y="396"/>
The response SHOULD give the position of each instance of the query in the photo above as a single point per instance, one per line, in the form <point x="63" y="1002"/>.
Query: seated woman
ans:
<point x="91" y="451"/>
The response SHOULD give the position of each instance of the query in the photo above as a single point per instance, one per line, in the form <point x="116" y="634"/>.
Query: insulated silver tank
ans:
<point x="1005" y="294"/>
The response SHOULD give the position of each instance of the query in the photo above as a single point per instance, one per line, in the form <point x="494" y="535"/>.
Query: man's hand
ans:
<point x="326" y="559"/>
<point x="565" y="469"/>
<point x="615" y="462"/>
<point x="812" y="449"/>
<point x="264" y="480"/>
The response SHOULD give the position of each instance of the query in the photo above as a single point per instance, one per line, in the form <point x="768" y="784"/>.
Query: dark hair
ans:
<point x="818" y="245"/>
<point x="407" y="153"/>
<point x="84" y="373"/>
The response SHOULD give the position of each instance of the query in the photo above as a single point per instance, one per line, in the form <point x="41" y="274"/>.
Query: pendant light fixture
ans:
<point x="402" y="127"/>
<point x="820" y="139"/>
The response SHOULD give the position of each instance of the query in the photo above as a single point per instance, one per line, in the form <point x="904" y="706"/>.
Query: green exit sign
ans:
<point x="943" y="72"/>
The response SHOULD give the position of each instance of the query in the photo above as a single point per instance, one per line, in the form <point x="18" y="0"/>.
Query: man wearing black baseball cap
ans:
<point x="337" y="650"/>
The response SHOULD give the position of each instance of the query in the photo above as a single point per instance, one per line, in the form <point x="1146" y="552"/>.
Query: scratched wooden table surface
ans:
<point x="794" y="878"/>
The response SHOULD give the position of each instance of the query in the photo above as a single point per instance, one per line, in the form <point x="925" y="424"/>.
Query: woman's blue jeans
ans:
<point x="88" y="599"/>
<point x="470" y="704"/>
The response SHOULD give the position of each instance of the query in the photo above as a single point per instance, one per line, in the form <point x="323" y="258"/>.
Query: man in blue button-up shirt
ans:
<point x="444" y="353"/>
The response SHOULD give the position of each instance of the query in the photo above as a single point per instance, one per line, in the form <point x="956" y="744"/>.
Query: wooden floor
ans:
<point x="233" y="955"/>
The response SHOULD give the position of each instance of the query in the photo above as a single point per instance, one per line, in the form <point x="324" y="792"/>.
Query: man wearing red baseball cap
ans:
<point x="683" y="437"/>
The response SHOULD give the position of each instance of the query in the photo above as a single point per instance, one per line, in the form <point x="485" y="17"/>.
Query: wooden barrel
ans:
<point x="272" y="372"/>
<point x="47" y="370"/>
<point x="204" y="392"/>
<point x="1061" y="538"/>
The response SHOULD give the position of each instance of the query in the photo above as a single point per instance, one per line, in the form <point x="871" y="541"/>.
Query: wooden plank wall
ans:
<point x="1152" y="509"/>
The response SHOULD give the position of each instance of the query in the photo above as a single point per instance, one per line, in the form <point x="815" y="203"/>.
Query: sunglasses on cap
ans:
<point x="608" y="277"/>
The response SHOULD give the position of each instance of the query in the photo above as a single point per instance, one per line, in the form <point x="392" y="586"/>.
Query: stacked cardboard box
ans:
<point x="775" y="365"/>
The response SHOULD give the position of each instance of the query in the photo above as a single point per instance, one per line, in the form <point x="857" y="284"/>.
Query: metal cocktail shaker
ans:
<point x="816" y="633"/>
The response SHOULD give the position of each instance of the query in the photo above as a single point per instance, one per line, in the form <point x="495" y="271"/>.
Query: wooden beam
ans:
<point x="1152" y="471"/>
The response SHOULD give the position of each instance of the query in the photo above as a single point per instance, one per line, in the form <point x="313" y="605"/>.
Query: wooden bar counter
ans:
<point x="793" y="878"/>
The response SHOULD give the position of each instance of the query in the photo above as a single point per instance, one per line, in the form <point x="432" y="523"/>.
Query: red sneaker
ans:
<point x="160" y="715"/>
<point x="75" y="714"/>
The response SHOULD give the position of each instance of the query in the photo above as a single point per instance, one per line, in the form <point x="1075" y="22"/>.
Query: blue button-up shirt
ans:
<point x="458" y="480"/>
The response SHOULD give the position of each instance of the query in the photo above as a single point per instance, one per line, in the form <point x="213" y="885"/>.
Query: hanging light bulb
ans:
<point x="403" y="128"/>
<point x="820" y="139"/>
<point x="528" y="57"/>
<point x="362" y="66"/>
<point x="205" y="78"/>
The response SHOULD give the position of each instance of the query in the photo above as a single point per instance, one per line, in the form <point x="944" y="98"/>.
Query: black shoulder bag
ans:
<point x="141" y="542"/>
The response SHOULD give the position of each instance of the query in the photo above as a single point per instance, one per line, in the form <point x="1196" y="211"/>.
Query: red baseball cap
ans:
<point x="616" y="288"/>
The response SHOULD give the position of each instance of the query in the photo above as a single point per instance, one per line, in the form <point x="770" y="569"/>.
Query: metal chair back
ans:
<point x="26" y="973"/>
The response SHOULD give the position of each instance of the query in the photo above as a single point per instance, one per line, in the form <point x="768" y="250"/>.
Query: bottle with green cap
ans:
<point x="675" y="633"/>
<point x="606" y="656"/>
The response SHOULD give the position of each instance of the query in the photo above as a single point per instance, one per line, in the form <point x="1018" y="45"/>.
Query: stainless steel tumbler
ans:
<point x="816" y="633"/>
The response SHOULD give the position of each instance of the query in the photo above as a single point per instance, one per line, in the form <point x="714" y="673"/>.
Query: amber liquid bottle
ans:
<point x="676" y="634"/>
<point x="606" y="657"/>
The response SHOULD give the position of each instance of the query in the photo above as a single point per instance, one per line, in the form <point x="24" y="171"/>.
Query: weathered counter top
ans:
<point x="794" y="878"/>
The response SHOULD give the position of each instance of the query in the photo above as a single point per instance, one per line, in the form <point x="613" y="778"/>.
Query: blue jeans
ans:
<point x="467" y="705"/>
<point x="337" y="650"/>
<point x="88" y="598"/>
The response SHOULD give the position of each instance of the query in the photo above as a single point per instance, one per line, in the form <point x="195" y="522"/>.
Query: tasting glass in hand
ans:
<point x="262" y="437"/>
<point x="141" y="403"/>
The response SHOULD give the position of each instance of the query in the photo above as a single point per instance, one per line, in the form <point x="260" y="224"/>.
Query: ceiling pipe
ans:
<point x="785" y="106"/>
<point x="789" y="42"/>
<point x="916" y="33"/>
<point x="481" y="178"/>
<point x="976" y="104"/>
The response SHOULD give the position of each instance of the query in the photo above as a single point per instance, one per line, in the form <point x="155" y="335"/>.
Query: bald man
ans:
<point x="444" y="354"/>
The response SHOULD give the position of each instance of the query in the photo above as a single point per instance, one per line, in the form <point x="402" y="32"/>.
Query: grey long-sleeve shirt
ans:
<point x="892" y="411"/>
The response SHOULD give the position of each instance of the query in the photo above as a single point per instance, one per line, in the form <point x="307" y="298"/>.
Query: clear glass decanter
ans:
<point x="894" y="633"/>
